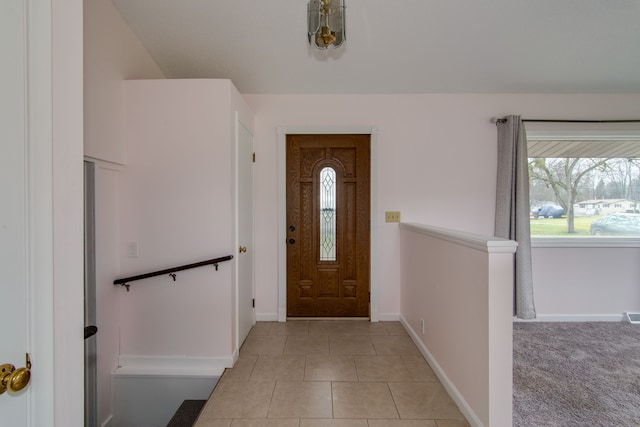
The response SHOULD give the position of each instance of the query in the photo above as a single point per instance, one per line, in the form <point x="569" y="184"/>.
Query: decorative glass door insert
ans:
<point x="327" y="214"/>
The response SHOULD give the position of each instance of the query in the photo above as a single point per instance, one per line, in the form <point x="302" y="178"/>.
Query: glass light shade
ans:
<point x="326" y="23"/>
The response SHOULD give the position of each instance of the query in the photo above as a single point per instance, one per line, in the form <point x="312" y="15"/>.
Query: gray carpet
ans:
<point x="576" y="374"/>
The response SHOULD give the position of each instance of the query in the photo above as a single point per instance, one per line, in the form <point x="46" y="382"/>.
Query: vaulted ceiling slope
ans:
<point x="399" y="46"/>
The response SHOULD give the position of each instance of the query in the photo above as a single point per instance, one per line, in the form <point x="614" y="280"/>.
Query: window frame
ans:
<point x="585" y="132"/>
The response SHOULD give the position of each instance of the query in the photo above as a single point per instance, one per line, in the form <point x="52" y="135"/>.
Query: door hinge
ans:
<point x="253" y="303"/>
<point x="254" y="157"/>
<point x="369" y="296"/>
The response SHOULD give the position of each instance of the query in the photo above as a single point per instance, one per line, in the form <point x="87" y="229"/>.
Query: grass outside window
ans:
<point x="558" y="226"/>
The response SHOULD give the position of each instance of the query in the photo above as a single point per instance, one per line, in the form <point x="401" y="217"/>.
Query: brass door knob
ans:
<point x="243" y="249"/>
<point x="13" y="379"/>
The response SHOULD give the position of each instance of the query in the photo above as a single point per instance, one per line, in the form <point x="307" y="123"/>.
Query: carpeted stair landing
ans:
<point x="187" y="413"/>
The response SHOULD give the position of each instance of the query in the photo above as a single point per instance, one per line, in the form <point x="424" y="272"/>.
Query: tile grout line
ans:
<point x="333" y="413"/>
<point x="275" y="383"/>
<point x="394" y="400"/>
<point x="253" y="368"/>
<point x="273" y="393"/>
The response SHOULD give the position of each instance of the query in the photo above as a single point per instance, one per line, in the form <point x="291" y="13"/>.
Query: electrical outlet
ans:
<point x="422" y="325"/>
<point x="392" y="216"/>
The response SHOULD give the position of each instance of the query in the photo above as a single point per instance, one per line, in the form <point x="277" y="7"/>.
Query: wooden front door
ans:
<point x="328" y="217"/>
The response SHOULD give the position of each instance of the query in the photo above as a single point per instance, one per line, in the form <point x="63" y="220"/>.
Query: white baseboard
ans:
<point x="382" y="317"/>
<point x="388" y="317"/>
<point x="574" y="318"/>
<point x="266" y="317"/>
<point x="179" y="366"/>
<point x="374" y="315"/>
<point x="464" y="407"/>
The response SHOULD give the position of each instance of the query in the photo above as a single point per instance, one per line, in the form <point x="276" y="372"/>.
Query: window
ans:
<point x="327" y="214"/>
<point x="585" y="185"/>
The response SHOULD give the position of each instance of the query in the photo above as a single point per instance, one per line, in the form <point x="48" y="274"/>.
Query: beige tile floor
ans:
<point x="330" y="374"/>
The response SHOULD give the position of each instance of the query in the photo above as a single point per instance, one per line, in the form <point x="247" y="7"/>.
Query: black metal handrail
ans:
<point x="171" y="271"/>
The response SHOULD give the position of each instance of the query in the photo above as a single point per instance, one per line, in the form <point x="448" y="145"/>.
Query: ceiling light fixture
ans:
<point x="326" y="23"/>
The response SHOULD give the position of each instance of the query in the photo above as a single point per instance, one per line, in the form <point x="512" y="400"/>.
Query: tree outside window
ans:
<point x="572" y="183"/>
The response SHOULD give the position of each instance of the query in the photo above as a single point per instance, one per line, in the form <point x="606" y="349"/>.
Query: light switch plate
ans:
<point x="132" y="249"/>
<point x="392" y="216"/>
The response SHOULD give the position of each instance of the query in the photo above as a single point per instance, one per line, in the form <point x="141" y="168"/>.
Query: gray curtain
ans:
<point x="512" y="208"/>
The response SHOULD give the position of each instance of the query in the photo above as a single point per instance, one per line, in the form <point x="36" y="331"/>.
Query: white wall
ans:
<point x="437" y="165"/>
<point x="65" y="119"/>
<point x="177" y="205"/>
<point x="586" y="283"/>
<point x="112" y="53"/>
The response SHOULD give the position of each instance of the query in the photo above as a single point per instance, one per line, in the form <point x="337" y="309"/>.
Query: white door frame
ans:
<point x="54" y="58"/>
<point x="282" y="211"/>
<point x="40" y="339"/>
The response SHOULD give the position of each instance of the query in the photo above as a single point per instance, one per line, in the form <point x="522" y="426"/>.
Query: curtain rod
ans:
<point x="501" y="120"/>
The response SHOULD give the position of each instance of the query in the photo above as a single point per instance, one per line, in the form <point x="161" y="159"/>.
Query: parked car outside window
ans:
<point x="549" y="211"/>
<point x="617" y="224"/>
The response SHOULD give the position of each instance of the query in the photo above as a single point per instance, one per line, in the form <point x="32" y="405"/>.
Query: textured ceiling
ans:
<point x="399" y="46"/>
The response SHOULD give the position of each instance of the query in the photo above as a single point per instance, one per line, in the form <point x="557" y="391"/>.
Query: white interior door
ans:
<point x="246" y="317"/>
<point x="13" y="208"/>
<point x="28" y="195"/>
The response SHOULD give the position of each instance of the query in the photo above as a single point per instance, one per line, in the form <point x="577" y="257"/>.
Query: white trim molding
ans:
<point x="574" y="318"/>
<point x="471" y="240"/>
<point x="282" y="211"/>
<point x="174" y="366"/>
<point x="388" y="317"/>
<point x="585" y="242"/>
<point x="266" y="317"/>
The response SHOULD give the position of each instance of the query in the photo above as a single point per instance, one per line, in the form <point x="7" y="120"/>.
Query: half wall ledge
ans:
<point x="476" y="241"/>
<point x="456" y="302"/>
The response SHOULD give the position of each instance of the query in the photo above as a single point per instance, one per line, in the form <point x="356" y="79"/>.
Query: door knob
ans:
<point x="13" y="379"/>
<point x="292" y="241"/>
<point x="243" y="249"/>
